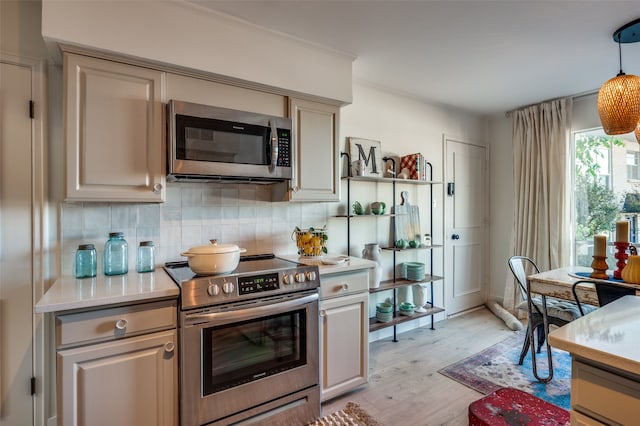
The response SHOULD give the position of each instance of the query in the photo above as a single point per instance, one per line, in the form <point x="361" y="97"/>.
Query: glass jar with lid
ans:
<point x="86" y="261"/>
<point x="145" y="261"/>
<point x="116" y="254"/>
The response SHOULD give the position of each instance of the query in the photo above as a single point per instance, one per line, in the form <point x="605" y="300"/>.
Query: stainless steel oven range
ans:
<point x="249" y="343"/>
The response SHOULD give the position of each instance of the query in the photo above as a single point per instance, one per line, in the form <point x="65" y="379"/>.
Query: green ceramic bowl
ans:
<point x="384" y="308"/>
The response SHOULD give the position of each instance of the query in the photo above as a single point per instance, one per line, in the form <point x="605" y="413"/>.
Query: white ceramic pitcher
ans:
<point x="372" y="251"/>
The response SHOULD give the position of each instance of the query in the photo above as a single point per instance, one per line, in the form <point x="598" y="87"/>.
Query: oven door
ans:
<point x="242" y="355"/>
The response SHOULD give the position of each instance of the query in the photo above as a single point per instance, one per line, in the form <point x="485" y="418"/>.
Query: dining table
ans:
<point x="558" y="283"/>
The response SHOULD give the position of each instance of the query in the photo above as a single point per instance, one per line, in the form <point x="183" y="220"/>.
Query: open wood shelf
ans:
<point x="374" y="324"/>
<point x="432" y="246"/>
<point x="401" y="282"/>
<point x="395" y="180"/>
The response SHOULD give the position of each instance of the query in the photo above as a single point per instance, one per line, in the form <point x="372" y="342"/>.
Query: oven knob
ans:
<point x="287" y="278"/>
<point x="213" y="290"/>
<point x="299" y="276"/>
<point x="311" y="276"/>
<point x="227" y="287"/>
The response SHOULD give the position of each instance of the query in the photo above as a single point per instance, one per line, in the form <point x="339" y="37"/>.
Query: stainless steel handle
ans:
<point x="121" y="324"/>
<point x="249" y="313"/>
<point x="274" y="146"/>
<point x="169" y="347"/>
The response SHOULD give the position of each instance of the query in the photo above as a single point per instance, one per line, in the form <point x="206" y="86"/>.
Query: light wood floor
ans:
<point x="405" y="387"/>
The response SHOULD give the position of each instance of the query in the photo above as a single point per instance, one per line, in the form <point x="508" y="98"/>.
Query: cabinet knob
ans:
<point x="345" y="286"/>
<point x="455" y="237"/>
<point x="323" y="313"/>
<point x="169" y="347"/>
<point x="121" y="324"/>
<point x="157" y="188"/>
<point x="295" y="189"/>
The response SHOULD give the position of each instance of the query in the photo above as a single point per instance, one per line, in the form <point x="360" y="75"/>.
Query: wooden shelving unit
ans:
<point x="396" y="282"/>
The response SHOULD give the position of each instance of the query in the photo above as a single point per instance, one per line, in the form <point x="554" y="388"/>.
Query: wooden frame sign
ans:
<point x="370" y="152"/>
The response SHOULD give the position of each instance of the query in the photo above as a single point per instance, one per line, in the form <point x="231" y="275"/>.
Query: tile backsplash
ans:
<point x="193" y="214"/>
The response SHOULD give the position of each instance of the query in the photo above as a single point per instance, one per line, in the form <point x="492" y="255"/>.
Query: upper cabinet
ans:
<point x="315" y="152"/>
<point x="114" y="132"/>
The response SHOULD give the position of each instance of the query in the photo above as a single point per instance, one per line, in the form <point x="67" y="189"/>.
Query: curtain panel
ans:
<point x="541" y="137"/>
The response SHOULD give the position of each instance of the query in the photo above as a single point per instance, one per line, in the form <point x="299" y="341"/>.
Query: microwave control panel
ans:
<point x="284" y="148"/>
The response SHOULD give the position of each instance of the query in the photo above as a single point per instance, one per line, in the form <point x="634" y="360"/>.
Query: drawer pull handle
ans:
<point x="169" y="347"/>
<point x="121" y="324"/>
<point x="345" y="287"/>
<point x="323" y="313"/>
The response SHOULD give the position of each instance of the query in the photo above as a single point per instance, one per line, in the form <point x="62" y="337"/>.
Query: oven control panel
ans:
<point x="219" y="289"/>
<point x="257" y="284"/>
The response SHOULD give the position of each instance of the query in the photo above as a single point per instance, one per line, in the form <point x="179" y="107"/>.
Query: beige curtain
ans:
<point x="541" y="137"/>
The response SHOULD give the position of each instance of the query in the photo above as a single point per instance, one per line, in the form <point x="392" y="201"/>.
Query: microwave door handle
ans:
<point x="274" y="146"/>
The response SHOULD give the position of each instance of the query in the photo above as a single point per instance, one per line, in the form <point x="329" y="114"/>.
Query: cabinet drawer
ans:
<point x="604" y="395"/>
<point x="343" y="283"/>
<point x="114" y="323"/>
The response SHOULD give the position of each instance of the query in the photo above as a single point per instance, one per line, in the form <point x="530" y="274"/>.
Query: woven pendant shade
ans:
<point x="619" y="104"/>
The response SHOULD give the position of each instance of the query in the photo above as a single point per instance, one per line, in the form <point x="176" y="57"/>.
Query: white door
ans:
<point x="16" y="306"/>
<point x="465" y="226"/>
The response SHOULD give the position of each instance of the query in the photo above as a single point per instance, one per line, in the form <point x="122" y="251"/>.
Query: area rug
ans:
<point x="497" y="366"/>
<point x="351" y="415"/>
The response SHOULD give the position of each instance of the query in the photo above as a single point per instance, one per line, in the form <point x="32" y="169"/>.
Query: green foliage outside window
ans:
<point x="596" y="203"/>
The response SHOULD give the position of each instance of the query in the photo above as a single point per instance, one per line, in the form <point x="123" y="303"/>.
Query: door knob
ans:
<point x="455" y="237"/>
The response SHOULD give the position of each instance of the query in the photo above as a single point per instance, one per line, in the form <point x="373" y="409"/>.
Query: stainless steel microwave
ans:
<point x="213" y="143"/>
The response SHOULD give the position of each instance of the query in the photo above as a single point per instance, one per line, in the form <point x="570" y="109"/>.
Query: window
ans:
<point x="604" y="189"/>
<point x="633" y="165"/>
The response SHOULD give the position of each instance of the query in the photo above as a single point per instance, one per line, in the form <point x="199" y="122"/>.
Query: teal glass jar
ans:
<point x="145" y="261"/>
<point x="86" y="261"/>
<point x="116" y="255"/>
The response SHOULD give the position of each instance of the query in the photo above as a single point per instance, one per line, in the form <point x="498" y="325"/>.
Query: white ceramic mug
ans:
<point x="358" y="168"/>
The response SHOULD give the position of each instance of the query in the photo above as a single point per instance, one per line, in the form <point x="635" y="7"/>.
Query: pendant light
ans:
<point x="619" y="97"/>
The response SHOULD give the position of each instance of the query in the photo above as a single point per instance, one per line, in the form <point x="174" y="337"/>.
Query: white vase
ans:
<point x="372" y="252"/>
<point x="419" y="297"/>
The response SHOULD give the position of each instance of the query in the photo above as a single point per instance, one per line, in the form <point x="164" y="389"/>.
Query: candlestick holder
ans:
<point x="622" y="256"/>
<point x="599" y="266"/>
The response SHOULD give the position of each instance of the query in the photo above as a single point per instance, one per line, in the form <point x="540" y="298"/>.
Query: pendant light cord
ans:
<point x="620" y="54"/>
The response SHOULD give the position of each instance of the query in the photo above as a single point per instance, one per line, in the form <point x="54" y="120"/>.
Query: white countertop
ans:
<point x="610" y="335"/>
<point x="71" y="293"/>
<point x="326" y="263"/>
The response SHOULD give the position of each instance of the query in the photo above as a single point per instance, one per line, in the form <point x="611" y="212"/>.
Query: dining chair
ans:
<point x="606" y="292"/>
<point x="541" y="311"/>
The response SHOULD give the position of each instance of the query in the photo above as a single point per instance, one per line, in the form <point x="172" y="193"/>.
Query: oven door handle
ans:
<point x="215" y="318"/>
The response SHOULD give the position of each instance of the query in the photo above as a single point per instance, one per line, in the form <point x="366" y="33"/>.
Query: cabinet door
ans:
<point x="315" y="151"/>
<point x="344" y="340"/>
<point x="114" y="131"/>
<point x="130" y="382"/>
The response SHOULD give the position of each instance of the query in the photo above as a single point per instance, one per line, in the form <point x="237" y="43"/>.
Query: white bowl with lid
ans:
<point x="213" y="258"/>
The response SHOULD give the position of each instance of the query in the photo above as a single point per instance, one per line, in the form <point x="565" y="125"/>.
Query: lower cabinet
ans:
<point x="126" y="381"/>
<point x="602" y="394"/>
<point x="344" y="340"/>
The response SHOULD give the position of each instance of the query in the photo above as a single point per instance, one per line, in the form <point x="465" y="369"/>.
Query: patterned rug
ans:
<point x="351" y="415"/>
<point x="497" y="366"/>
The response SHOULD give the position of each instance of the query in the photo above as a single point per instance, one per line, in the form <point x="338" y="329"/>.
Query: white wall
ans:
<point x="501" y="202"/>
